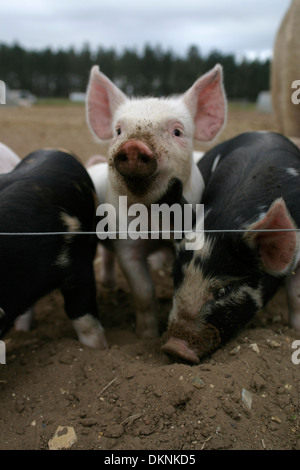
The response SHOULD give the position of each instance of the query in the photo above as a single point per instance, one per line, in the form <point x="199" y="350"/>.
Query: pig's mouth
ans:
<point x="179" y="348"/>
<point x="139" y="185"/>
<point x="191" y="346"/>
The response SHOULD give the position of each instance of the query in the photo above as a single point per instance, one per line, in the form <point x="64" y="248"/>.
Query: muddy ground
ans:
<point x="132" y="396"/>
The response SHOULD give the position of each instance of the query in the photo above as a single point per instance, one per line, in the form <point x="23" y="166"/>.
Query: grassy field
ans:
<point x="59" y="123"/>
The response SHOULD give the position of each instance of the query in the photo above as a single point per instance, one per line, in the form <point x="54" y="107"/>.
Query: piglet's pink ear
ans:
<point x="206" y="102"/>
<point x="103" y="98"/>
<point x="276" y="249"/>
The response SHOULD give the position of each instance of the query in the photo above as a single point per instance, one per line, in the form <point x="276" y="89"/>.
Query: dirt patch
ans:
<point x="132" y="396"/>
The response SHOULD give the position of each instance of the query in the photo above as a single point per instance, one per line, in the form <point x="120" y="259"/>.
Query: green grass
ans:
<point x="232" y="105"/>
<point x="241" y="105"/>
<point x="57" y="102"/>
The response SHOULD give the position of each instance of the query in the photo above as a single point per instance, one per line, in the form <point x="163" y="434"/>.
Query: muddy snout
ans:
<point x="179" y="348"/>
<point x="191" y="346"/>
<point x="135" y="159"/>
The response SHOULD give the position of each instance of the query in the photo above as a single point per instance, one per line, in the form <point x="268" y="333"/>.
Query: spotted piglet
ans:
<point x="8" y="161"/>
<point x="46" y="204"/>
<point x="250" y="247"/>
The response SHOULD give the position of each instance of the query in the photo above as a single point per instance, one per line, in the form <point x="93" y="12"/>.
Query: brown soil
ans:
<point x="132" y="396"/>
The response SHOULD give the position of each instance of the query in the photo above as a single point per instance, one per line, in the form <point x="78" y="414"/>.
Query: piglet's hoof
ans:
<point x="90" y="332"/>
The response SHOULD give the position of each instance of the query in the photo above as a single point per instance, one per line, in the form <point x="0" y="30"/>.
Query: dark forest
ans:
<point x="154" y="71"/>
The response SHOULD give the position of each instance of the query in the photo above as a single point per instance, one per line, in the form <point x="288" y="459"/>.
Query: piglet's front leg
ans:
<point x="107" y="271"/>
<point x="132" y="257"/>
<point x="293" y="298"/>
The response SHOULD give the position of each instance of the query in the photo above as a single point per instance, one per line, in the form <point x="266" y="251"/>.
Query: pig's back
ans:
<point x="246" y="174"/>
<point x="44" y="182"/>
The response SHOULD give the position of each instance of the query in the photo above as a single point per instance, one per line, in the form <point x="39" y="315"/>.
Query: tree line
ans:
<point x="154" y="71"/>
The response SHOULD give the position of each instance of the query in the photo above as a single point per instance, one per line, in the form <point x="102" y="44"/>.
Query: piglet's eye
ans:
<point x="177" y="132"/>
<point x="118" y="130"/>
<point x="223" y="291"/>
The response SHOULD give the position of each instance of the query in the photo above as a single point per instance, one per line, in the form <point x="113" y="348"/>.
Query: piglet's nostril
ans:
<point x="144" y="158"/>
<point x="122" y="157"/>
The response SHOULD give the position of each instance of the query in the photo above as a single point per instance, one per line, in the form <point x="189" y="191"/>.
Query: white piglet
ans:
<point x="150" y="159"/>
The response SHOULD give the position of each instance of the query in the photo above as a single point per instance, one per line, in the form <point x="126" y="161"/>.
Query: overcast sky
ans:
<point x="242" y="27"/>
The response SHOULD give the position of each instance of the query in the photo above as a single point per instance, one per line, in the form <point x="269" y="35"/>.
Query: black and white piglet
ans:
<point x="252" y="184"/>
<point x="49" y="191"/>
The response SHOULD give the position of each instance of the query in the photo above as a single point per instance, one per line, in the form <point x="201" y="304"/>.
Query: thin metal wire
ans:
<point x="143" y="232"/>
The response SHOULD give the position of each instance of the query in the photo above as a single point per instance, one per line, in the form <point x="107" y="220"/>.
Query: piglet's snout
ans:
<point x="180" y="348"/>
<point x="134" y="158"/>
